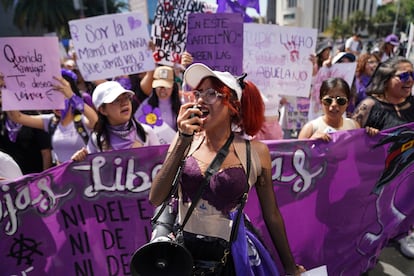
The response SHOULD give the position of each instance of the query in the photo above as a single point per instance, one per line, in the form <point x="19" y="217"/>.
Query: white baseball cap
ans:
<point x="198" y="71"/>
<point x="107" y="92"/>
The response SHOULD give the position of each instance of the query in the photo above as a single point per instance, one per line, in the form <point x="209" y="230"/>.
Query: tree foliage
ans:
<point x="380" y="25"/>
<point x="53" y="15"/>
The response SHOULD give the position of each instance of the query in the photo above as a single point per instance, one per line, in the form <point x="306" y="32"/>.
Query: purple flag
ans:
<point x="251" y="4"/>
<point x="228" y="6"/>
<point x="342" y="202"/>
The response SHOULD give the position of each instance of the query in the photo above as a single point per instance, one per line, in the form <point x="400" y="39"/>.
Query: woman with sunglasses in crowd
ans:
<point x="228" y="109"/>
<point x="334" y="96"/>
<point x="390" y="104"/>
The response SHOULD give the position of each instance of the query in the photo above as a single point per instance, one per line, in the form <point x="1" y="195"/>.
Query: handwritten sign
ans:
<point x="294" y="114"/>
<point x="276" y="59"/>
<point x="216" y="40"/>
<point x="345" y="71"/>
<point x="111" y="45"/>
<point x="169" y="28"/>
<point x="29" y="65"/>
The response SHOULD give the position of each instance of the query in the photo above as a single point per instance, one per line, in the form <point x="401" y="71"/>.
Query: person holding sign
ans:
<point x="334" y="95"/>
<point x="116" y="127"/>
<point x="220" y="167"/>
<point x="69" y="128"/>
<point x="160" y="110"/>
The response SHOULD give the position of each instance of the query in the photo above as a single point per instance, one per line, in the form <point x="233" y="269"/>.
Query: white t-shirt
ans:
<point x="8" y="167"/>
<point x="353" y="45"/>
<point x="65" y="140"/>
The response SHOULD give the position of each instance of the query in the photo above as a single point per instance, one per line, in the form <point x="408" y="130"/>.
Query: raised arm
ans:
<point x="146" y="83"/>
<point x="63" y="86"/>
<point x="187" y="125"/>
<point x="33" y="121"/>
<point x="271" y="213"/>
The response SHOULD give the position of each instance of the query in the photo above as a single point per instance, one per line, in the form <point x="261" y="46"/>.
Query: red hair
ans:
<point x="247" y="114"/>
<point x="252" y="107"/>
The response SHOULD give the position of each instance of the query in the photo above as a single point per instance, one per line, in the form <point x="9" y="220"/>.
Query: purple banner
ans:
<point x="216" y="40"/>
<point x="342" y="201"/>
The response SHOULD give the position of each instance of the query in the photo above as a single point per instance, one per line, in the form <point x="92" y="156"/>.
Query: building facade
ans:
<point x="319" y="13"/>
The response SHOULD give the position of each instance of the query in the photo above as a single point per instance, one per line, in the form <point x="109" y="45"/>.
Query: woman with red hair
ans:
<point x="218" y="126"/>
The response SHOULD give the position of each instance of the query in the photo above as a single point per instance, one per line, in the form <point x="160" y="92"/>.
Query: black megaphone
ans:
<point x="162" y="255"/>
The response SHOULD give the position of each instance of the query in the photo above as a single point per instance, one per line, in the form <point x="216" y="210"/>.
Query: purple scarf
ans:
<point x="12" y="129"/>
<point x="122" y="136"/>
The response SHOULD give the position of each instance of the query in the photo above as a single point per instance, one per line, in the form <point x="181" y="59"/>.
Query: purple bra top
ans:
<point x="224" y="190"/>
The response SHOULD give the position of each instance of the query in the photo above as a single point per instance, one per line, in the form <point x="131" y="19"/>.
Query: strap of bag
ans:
<point x="212" y="168"/>
<point x="80" y="128"/>
<point x="236" y="223"/>
<point x="233" y="235"/>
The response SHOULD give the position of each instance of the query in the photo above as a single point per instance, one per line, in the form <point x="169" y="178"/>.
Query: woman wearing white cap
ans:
<point x="212" y="144"/>
<point x="115" y="129"/>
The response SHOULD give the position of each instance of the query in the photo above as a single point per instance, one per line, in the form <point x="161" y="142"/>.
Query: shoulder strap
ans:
<point x="80" y="128"/>
<point x="212" y="168"/>
<point x="243" y="199"/>
<point x="53" y="122"/>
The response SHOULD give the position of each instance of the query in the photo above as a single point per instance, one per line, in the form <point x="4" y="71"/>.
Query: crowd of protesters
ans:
<point x="111" y="114"/>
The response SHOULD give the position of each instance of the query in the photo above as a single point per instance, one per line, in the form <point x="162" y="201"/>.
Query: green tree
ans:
<point x="339" y="29"/>
<point x="357" y="21"/>
<point x="53" y="15"/>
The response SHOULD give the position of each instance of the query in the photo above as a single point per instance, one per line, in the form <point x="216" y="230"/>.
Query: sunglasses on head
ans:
<point x="339" y="100"/>
<point x="404" y="77"/>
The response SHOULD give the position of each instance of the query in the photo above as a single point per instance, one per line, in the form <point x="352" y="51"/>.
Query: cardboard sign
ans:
<point x="29" y="65"/>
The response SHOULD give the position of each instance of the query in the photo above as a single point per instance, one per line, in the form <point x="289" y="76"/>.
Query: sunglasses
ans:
<point x="339" y="100"/>
<point x="209" y="95"/>
<point x="404" y="77"/>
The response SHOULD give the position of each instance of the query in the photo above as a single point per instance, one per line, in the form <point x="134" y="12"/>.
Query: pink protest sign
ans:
<point x="111" y="45"/>
<point x="216" y="40"/>
<point x="29" y="65"/>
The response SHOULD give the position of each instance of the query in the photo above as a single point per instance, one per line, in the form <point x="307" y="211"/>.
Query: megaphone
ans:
<point x="162" y="255"/>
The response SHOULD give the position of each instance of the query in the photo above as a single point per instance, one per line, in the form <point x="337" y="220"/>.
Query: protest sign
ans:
<point x="294" y="114"/>
<point x="345" y="71"/>
<point x="111" y="45"/>
<point x="169" y="28"/>
<point x="276" y="59"/>
<point x="216" y="40"/>
<point x="29" y="65"/>
<point x="351" y="195"/>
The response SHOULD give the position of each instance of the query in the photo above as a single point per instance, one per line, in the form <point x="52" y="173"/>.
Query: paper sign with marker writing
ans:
<point x="276" y="59"/>
<point x="29" y="65"/>
<point x="216" y="40"/>
<point x="111" y="45"/>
